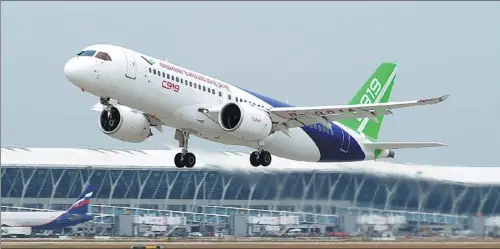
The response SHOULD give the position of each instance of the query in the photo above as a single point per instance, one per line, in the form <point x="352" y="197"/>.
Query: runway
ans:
<point x="291" y="244"/>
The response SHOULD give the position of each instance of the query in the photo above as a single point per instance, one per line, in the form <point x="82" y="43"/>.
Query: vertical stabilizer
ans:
<point x="81" y="206"/>
<point x="377" y="89"/>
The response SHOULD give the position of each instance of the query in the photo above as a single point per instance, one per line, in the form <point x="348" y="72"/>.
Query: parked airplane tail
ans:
<point x="377" y="89"/>
<point x="81" y="206"/>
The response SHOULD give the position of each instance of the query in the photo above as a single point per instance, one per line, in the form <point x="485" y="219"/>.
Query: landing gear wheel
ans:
<point x="189" y="160"/>
<point x="265" y="158"/>
<point x="254" y="161"/>
<point x="185" y="158"/>
<point x="179" y="163"/>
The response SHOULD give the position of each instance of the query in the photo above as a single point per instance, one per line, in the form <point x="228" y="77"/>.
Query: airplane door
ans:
<point x="131" y="66"/>
<point x="220" y="95"/>
<point x="229" y="96"/>
<point x="346" y="141"/>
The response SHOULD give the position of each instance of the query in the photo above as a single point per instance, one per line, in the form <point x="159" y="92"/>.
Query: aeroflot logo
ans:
<point x="83" y="201"/>
<point x="80" y="204"/>
<point x="150" y="61"/>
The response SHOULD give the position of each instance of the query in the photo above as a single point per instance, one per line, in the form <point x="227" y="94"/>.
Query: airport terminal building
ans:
<point x="224" y="183"/>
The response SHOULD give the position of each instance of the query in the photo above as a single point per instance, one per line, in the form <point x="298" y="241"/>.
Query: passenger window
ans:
<point x="182" y="81"/>
<point x="195" y="85"/>
<point x="150" y="70"/>
<point x="220" y="94"/>
<point x="213" y="91"/>
<point x="229" y="97"/>
<point x="103" y="56"/>
<point x="163" y="73"/>
<point x="190" y="83"/>
<point x="208" y="90"/>
<point x="236" y="99"/>
<point x="199" y="87"/>
<point x="177" y="79"/>
<point x="87" y="53"/>
<point x="168" y="76"/>
<point x="154" y="71"/>
<point x="204" y="89"/>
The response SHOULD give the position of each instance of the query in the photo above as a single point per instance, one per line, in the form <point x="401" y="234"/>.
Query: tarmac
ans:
<point x="247" y="244"/>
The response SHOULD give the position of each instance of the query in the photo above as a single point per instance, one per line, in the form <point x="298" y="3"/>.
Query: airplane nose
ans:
<point x="71" y="70"/>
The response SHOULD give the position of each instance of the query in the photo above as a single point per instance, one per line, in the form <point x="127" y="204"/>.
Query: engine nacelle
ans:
<point x="245" y="121"/>
<point x="125" y="124"/>
<point x="387" y="153"/>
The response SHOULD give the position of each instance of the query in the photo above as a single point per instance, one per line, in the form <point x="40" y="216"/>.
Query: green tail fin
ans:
<point x="377" y="89"/>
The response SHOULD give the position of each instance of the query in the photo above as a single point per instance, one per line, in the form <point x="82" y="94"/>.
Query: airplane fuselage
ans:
<point x="42" y="220"/>
<point x="174" y="94"/>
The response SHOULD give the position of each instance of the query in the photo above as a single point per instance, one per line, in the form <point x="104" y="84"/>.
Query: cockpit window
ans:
<point x="86" y="53"/>
<point x="103" y="56"/>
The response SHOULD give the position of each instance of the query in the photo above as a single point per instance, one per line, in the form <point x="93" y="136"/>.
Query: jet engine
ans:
<point x="245" y="121"/>
<point x="125" y="124"/>
<point x="387" y="153"/>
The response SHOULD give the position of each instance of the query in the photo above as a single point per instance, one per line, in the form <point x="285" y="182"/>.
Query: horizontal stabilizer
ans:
<point x="402" y="145"/>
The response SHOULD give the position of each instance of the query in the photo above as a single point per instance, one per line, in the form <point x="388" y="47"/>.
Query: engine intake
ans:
<point x="125" y="124"/>
<point x="245" y="121"/>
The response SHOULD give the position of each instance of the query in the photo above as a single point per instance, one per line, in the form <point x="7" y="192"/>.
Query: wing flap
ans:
<point x="308" y="120"/>
<point x="402" y="145"/>
<point x="360" y="111"/>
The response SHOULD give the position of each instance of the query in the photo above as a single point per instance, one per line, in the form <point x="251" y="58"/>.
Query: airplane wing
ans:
<point x="291" y="117"/>
<point x="402" y="145"/>
<point x="302" y="116"/>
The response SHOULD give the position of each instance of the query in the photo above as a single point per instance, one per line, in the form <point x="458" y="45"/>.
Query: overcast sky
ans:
<point x="307" y="53"/>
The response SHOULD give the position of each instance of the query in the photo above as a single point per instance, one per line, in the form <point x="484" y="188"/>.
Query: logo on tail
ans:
<point x="377" y="89"/>
<point x="81" y="206"/>
<point x="371" y="94"/>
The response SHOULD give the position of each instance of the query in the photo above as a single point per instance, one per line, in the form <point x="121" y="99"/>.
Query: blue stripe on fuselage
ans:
<point x="336" y="146"/>
<point x="65" y="220"/>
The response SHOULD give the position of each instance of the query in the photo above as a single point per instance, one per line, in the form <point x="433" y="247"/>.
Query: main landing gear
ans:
<point x="184" y="158"/>
<point x="260" y="157"/>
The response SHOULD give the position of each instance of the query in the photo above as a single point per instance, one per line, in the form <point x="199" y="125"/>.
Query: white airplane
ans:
<point x="76" y="214"/>
<point x="138" y="92"/>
